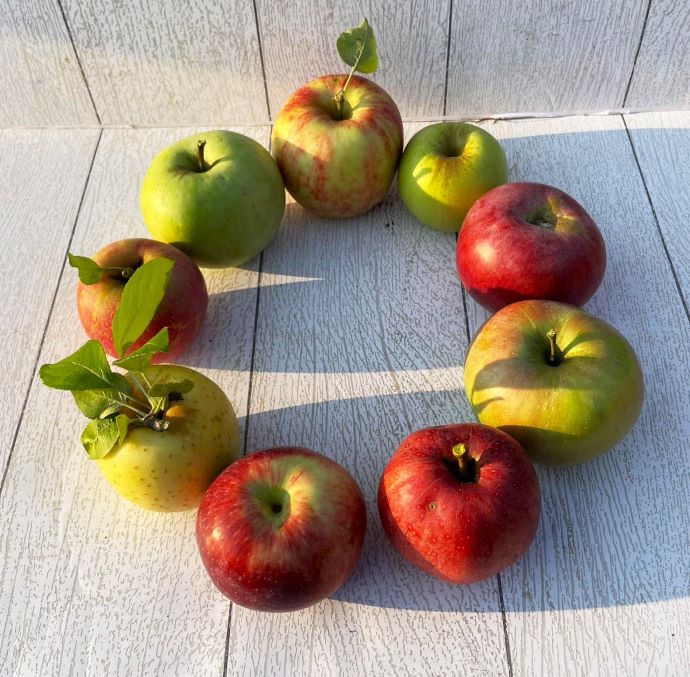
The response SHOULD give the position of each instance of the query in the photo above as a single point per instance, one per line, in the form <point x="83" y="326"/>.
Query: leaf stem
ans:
<point x="340" y="96"/>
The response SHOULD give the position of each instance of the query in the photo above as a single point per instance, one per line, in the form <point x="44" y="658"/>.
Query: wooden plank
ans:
<point x="360" y="340"/>
<point x="517" y="57"/>
<point x="662" y="142"/>
<point x="42" y="178"/>
<point x="90" y="583"/>
<point x="40" y="81"/>
<point x="604" y="590"/>
<point x="662" y="69"/>
<point x="298" y="42"/>
<point x="163" y="63"/>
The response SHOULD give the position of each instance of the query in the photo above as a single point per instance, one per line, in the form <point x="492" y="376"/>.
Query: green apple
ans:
<point x="218" y="196"/>
<point x="169" y="470"/>
<point x="562" y="382"/>
<point x="446" y="167"/>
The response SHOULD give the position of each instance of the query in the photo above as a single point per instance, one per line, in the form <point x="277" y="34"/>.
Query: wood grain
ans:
<point x="605" y="588"/>
<point x="42" y="178"/>
<point x="40" y="80"/>
<point x="360" y="341"/>
<point x="662" y="144"/>
<point x="662" y="70"/>
<point x="541" y="57"/>
<point x="89" y="583"/>
<point x="162" y="63"/>
<point x="298" y="41"/>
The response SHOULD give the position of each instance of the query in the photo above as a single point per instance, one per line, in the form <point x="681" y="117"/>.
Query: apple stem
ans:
<point x="551" y="335"/>
<point x="340" y="96"/>
<point x="460" y="452"/>
<point x="200" y="154"/>
<point x="125" y="273"/>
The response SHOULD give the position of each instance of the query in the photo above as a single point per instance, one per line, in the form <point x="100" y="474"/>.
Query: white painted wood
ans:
<point x="662" y="144"/>
<point x="525" y="56"/>
<point x="88" y="583"/>
<point x="360" y="341"/>
<point x="299" y="43"/>
<point x="42" y="178"/>
<point x="167" y="63"/>
<point x="40" y="80"/>
<point x="662" y="70"/>
<point x="605" y="588"/>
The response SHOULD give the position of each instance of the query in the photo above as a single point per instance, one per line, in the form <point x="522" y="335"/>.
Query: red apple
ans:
<point x="460" y="502"/>
<point x="182" y="309"/>
<point x="529" y="241"/>
<point x="281" y="529"/>
<point x="338" y="164"/>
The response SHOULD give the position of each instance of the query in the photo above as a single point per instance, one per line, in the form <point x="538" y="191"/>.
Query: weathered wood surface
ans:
<point x="42" y="178"/>
<point x="90" y="584"/>
<point x="605" y="588"/>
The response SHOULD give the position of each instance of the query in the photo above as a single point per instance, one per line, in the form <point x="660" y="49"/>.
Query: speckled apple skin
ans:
<point x="332" y="167"/>
<point x="182" y="309"/>
<point x="460" y="532"/>
<point x="170" y="471"/>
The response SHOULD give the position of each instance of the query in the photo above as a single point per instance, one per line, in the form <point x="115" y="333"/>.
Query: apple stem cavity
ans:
<point x="200" y="154"/>
<point x="466" y="469"/>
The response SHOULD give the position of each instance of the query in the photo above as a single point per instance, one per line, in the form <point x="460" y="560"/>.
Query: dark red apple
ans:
<point x="529" y="241"/>
<point x="281" y="529"/>
<point x="182" y="309"/>
<point x="460" y="502"/>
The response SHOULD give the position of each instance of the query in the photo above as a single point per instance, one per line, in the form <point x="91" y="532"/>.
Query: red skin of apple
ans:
<point x="502" y="257"/>
<point x="338" y="167"/>
<point x="287" y="560"/>
<point x="182" y="309"/>
<point x="460" y="532"/>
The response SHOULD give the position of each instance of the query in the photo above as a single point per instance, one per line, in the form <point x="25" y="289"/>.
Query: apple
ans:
<point x="338" y="164"/>
<point x="562" y="382"/>
<point x="529" y="241"/>
<point x="281" y="529"/>
<point x="216" y="195"/>
<point x="182" y="309"/>
<point x="445" y="168"/>
<point x="461" y="502"/>
<point x="169" y="470"/>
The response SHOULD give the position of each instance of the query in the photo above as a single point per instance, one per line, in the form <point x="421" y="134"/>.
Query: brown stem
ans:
<point x="200" y="154"/>
<point x="551" y="335"/>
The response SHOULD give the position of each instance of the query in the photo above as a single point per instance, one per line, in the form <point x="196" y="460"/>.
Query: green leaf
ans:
<point x="89" y="271"/>
<point x="164" y="389"/>
<point x="102" y="434"/>
<point x="141" y="297"/>
<point x="85" y="369"/>
<point x="104" y="402"/>
<point x="357" y="48"/>
<point x="140" y="359"/>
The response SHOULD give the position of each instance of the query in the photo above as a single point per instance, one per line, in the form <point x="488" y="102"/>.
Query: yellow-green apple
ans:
<point x="338" y="163"/>
<point x="564" y="383"/>
<point x="182" y="309"/>
<point x="170" y="468"/>
<point x="445" y="168"/>
<point x="529" y="241"/>
<point x="216" y="195"/>
<point x="461" y="502"/>
<point x="281" y="529"/>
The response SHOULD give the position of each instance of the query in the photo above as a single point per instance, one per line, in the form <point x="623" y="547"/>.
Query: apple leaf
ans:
<point x="103" y="402"/>
<point x="357" y="48"/>
<point x="102" y="434"/>
<point x="89" y="271"/>
<point x="141" y="297"/>
<point x="140" y="359"/>
<point x="164" y="389"/>
<point x="85" y="369"/>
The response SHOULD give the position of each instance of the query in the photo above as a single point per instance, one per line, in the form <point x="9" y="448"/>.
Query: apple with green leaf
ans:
<point x="338" y="139"/>
<point x="445" y="168"/>
<point x="104" y="278"/>
<point x="562" y="382"/>
<point x="216" y="195"/>
<point x="160" y="434"/>
<point x="281" y="529"/>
